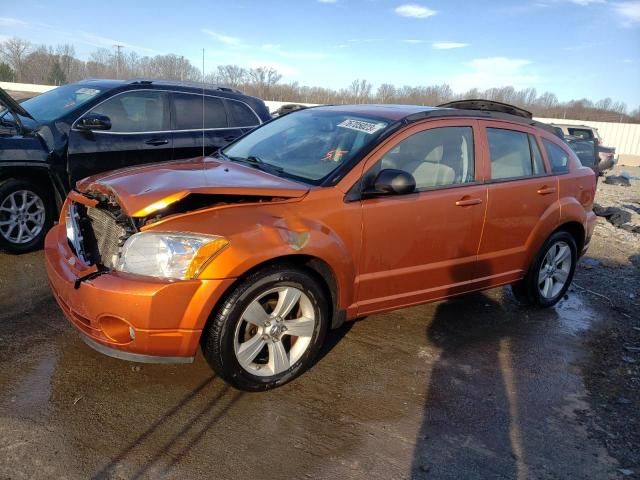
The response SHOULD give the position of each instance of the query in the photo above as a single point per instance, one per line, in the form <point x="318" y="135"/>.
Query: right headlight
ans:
<point x="169" y="255"/>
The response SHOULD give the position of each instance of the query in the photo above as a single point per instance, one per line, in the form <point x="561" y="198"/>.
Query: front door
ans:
<point x="139" y="134"/>
<point x="423" y="246"/>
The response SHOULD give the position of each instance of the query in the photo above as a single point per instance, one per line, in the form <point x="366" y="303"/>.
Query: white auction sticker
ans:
<point x="87" y="91"/>
<point x="362" y="126"/>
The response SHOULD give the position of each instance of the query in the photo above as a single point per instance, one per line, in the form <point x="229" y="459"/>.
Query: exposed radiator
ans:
<point x="108" y="235"/>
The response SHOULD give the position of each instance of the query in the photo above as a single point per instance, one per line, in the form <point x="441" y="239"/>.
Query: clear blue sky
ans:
<point x="574" y="48"/>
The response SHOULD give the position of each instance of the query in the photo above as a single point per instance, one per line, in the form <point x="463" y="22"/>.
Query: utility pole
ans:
<point x="118" y="47"/>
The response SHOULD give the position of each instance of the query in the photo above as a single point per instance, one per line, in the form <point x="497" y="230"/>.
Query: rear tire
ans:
<point x="269" y="330"/>
<point x="25" y="215"/>
<point x="551" y="273"/>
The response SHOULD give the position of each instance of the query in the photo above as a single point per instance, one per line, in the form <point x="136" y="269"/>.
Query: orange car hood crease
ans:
<point x="144" y="189"/>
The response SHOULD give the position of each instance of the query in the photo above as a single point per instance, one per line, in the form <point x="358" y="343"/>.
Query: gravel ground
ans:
<point x="611" y="272"/>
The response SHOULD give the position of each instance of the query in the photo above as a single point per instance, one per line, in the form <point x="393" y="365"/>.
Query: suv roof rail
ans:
<point x="582" y="125"/>
<point x="181" y="83"/>
<point x="487" y="106"/>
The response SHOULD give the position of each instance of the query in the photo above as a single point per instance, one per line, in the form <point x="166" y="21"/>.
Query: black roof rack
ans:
<point x="484" y="109"/>
<point x="180" y="83"/>
<point x="487" y="106"/>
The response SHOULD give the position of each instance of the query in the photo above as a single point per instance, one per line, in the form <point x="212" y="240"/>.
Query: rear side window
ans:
<point x="241" y="115"/>
<point x="538" y="163"/>
<point x="189" y="112"/>
<point x="557" y="157"/>
<point x="136" y="111"/>
<point x="581" y="133"/>
<point x="510" y="154"/>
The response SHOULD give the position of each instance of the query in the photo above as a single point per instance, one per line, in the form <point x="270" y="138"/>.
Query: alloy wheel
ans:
<point x="274" y="331"/>
<point x="22" y="216"/>
<point x="554" y="270"/>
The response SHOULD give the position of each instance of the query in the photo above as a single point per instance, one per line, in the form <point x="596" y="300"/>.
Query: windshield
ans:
<point x="308" y="144"/>
<point x="58" y="102"/>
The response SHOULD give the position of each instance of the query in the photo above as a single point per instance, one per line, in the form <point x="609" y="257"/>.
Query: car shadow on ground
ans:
<point x="108" y="470"/>
<point x="477" y="420"/>
<point x="333" y="338"/>
<point x="473" y="402"/>
<point x="207" y="404"/>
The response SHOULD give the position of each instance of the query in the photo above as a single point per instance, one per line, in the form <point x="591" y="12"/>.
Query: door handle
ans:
<point x="156" y="142"/>
<point x="546" y="190"/>
<point x="465" y="202"/>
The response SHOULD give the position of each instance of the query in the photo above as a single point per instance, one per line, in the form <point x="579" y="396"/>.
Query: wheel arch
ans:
<point x="317" y="267"/>
<point x="576" y="230"/>
<point x="40" y="176"/>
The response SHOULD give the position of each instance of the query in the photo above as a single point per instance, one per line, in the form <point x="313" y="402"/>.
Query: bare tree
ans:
<point x="231" y="75"/>
<point x="263" y="78"/>
<point x="619" y="107"/>
<point x="359" y="91"/>
<point x="38" y="64"/>
<point x="42" y="64"/>
<point x="547" y="101"/>
<point x="14" y="51"/>
<point x="101" y="64"/>
<point x="386" y="92"/>
<point x="66" y="54"/>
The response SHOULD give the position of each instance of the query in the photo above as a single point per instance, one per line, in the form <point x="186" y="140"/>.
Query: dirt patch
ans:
<point x="618" y="199"/>
<point x="21" y="95"/>
<point x="610" y="273"/>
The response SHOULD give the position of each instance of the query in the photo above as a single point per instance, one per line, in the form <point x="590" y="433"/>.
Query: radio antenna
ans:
<point x="203" y="102"/>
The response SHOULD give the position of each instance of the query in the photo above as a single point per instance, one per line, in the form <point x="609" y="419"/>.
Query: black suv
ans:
<point x="49" y="142"/>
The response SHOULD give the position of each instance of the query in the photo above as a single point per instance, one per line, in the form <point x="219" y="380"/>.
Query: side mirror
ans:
<point x="391" y="181"/>
<point x="94" y="121"/>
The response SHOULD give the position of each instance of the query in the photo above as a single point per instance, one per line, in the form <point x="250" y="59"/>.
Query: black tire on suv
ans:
<point x="25" y="215"/>
<point x="269" y="330"/>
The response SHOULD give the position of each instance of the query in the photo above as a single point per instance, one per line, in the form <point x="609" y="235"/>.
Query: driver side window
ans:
<point x="436" y="157"/>
<point x="136" y="111"/>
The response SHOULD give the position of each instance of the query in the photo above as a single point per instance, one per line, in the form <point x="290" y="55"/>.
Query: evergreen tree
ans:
<point x="56" y="75"/>
<point x="6" y="74"/>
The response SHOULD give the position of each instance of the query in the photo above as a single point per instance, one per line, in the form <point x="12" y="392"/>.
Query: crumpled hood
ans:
<point x="145" y="189"/>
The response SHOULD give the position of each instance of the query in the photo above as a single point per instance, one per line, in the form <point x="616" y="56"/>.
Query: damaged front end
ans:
<point x="97" y="229"/>
<point x="117" y="217"/>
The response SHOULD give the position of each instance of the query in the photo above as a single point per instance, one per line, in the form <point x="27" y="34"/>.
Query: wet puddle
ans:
<point x="574" y="314"/>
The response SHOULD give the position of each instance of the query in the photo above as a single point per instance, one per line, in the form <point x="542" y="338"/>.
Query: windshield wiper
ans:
<point x="257" y="162"/>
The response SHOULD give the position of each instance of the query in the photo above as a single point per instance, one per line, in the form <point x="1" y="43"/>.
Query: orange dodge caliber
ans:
<point x="323" y="215"/>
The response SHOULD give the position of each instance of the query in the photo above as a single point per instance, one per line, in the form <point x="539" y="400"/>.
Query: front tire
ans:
<point x="551" y="273"/>
<point x="25" y="215"/>
<point x="269" y="330"/>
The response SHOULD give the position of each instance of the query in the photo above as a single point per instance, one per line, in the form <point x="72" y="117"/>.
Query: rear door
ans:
<point x="241" y="116"/>
<point x="139" y="134"/>
<point x="188" y="134"/>
<point x="521" y="194"/>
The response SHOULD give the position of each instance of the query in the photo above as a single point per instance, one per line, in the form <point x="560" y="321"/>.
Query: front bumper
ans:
<point x="165" y="317"/>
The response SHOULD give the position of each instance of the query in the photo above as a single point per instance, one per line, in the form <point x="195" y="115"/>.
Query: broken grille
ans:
<point x="106" y="235"/>
<point x="97" y="234"/>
